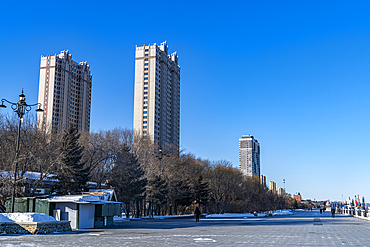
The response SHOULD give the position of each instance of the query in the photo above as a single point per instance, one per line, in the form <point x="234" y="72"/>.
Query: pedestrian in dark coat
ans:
<point x="197" y="214"/>
<point x="332" y="212"/>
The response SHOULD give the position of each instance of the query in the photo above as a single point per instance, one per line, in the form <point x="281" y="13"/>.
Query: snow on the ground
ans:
<point x="168" y="216"/>
<point x="25" y="217"/>
<point x="229" y="215"/>
<point x="225" y="215"/>
<point x="119" y="219"/>
<point x="264" y="214"/>
<point x="236" y="215"/>
<point x="122" y="219"/>
<point x="282" y="212"/>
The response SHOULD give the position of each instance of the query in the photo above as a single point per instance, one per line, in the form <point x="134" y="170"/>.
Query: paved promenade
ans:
<point x="303" y="228"/>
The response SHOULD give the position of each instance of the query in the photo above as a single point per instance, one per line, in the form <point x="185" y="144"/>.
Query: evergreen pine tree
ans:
<point x="127" y="178"/>
<point x="183" y="192"/>
<point x="72" y="174"/>
<point x="158" y="190"/>
<point x="201" y="191"/>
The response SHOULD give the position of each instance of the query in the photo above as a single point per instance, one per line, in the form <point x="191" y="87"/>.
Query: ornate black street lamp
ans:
<point x="20" y="108"/>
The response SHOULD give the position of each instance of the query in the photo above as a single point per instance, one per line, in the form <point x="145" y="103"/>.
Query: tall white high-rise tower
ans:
<point x="157" y="94"/>
<point x="249" y="155"/>
<point x="65" y="92"/>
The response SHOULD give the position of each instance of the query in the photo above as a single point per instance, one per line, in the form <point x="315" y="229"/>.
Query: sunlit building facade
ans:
<point x="281" y="191"/>
<point x="272" y="186"/>
<point x="65" y="92"/>
<point x="263" y="180"/>
<point x="157" y="94"/>
<point x="249" y="156"/>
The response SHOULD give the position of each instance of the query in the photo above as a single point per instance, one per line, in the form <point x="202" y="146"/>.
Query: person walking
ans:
<point x="197" y="214"/>
<point x="332" y="212"/>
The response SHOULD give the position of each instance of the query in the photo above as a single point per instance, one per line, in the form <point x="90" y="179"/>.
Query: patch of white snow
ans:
<point x="282" y="212"/>
<point x="26" y="217"/>
<point x="199" y="240"/>
<point x="119" y="219"/>
<point x="168" y="216"/>
<point x="229" y="215"/>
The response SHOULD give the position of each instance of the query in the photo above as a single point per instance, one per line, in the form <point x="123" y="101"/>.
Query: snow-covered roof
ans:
<point x="37" y="175"/>
<point x="95" y="184"/>
<point x="105" y="194"/>
<point x="81" y="199"/>
<point x="30" y="175"/>
<point x="111" y="191"/>
<point x="74" y="198"/>
<point x="46" y="177"/>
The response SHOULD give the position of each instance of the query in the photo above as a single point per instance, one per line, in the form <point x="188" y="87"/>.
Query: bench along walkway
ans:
<point x="303" y="228"/>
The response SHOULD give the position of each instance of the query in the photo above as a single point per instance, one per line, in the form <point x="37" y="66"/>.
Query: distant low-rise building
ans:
<point x="347" y="201"/>
<point x="83" y="211"/>
<point x="273" y="186"/>
<point x="281" y="191"/>
<point x="263" y="180"/>
<point x="297" y="197"/>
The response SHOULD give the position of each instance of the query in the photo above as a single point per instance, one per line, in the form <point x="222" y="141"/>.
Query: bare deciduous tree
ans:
<point x="101" y="149"/>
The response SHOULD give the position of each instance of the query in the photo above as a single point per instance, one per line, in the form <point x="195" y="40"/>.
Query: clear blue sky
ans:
<point x="293" y="74"/>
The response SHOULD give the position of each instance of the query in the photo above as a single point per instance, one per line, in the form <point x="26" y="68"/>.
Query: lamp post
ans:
<point x="160" y="154"/>
<point x="20" y="108"/>
<point x="160" y="157"/>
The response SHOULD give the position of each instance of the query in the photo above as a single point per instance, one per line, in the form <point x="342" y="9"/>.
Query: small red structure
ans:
<point x="297" y="197"/>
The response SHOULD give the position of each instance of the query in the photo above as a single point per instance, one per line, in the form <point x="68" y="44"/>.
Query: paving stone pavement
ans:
<point x="303" y="228"/>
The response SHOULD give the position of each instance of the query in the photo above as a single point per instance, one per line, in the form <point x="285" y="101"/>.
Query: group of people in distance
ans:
<point x="332" y="211"/>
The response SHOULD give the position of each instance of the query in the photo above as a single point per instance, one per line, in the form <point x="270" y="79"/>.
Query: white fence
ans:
<point x="356" y="212"/>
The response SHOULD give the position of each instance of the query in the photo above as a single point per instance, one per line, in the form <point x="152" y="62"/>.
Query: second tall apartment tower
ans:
<point x="157" y="94"/>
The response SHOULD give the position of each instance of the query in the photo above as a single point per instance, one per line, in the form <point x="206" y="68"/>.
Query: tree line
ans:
<point x="148" y="180"/>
